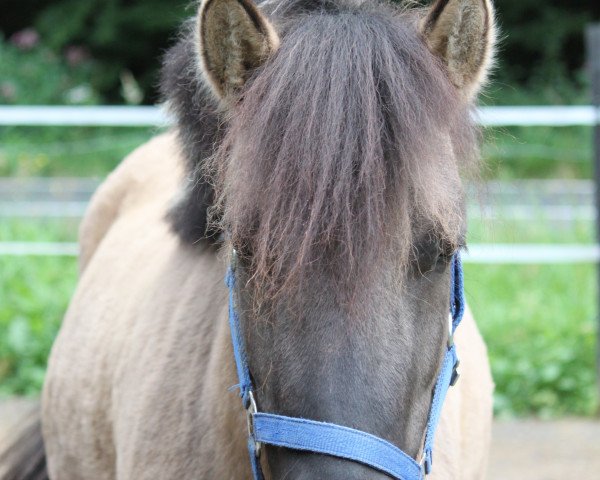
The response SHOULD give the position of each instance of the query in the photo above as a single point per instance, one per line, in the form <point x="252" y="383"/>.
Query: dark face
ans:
<point x="338" y="182"/>
<point x="369" y="366"/>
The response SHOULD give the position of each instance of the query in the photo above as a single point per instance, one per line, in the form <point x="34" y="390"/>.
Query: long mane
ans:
<point x="340" y="144"/>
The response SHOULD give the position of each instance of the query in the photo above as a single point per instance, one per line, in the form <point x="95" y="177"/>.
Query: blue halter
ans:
<point x="336" y="440"/>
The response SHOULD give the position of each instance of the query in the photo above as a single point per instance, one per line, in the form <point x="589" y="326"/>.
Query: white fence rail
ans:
<point x="539" y="116"/>
<point x="522" y="213"/>
<point x="113" y="116"/>
<point x="478" y="253"/>
<point x="498" y="253"/>
<point x="118" y="116"/>
<point x="38" y="249"/>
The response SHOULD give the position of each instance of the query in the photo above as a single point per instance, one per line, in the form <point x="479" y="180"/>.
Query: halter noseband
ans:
<point x="336" y="440"/>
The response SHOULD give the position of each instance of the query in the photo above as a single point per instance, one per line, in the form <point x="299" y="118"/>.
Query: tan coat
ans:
<point x="137" y="385"/>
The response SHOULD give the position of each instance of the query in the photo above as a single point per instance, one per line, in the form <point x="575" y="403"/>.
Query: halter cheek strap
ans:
<point x="336" y="440"/>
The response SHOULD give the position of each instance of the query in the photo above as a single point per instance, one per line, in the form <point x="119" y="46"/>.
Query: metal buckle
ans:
<point x="425" y="464"/>
<point x="234" y="259"/>
<point x="450" y="332"/>
<point x="250" y="411"/>
<point x="455" y="373"/>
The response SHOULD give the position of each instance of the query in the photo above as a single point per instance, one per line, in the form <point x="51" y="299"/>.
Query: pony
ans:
<point x="324" y="141"/>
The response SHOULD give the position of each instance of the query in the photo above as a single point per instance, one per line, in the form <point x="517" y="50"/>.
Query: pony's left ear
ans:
<point x="462" y="34"/>
<point x="235" y="38"/>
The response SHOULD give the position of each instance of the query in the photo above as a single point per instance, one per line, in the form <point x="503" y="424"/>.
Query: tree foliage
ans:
<point x="541" y="41"/>
<point x="119" y="35"/>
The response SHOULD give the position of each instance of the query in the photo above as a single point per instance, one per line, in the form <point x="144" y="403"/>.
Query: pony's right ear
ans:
<point x="462" y="34"/>
<point x="234" y="39"/>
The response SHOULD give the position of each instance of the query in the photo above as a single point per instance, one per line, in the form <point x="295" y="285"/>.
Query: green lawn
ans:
<point x="539" y="323"/>
<point x="538" y="152"/>
<point x="504" y="230"/>
<point x="65" y="151"/>
<point x="516" y="152"/>
<point x="34" y="293"/>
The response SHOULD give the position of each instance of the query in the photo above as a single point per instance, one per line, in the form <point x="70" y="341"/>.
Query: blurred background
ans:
<point x="531" y="279"/>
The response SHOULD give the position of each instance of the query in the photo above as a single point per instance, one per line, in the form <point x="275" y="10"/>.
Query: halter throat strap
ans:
<point x="336" y="440"/>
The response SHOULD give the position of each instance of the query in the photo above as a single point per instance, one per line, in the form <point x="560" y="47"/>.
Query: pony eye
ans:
<point x="243" y="250"/>
<point x="447" y="251"/>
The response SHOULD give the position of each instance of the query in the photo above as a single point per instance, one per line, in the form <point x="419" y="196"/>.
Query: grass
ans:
<point x="60" y="151"/>
<point x="504" y="230"/>
<point x="33" y="297"/>
<point x="539" y="322"/>
<point x="34" y="293"/>
<point x="538" y="152"/>
<point x="515" y="152"/>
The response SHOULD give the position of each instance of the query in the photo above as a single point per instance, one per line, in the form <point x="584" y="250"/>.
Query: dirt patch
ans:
<point x="12" y="413"/>
<point x="536" y="450"/>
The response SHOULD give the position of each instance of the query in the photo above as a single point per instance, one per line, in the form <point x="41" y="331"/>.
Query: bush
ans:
<point x="543" y="42"/>
<point x="124" y="38"/>
<point x="34" y="74"/>
<point x="542" y="45"/>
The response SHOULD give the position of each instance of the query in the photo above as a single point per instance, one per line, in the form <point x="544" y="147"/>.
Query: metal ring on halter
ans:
<point x="234" y="258"/>
<point x="450" y="330"/>
<point x="250" y="411"/>
<point x="455" y="373"/>
<point x="425" y="463"/>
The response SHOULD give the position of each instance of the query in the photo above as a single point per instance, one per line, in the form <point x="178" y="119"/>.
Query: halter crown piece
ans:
<point x="336" y="440"/>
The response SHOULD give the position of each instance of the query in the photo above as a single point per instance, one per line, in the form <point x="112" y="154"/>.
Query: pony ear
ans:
<point x="235" y="38"/>
<point x="462" y="34"/>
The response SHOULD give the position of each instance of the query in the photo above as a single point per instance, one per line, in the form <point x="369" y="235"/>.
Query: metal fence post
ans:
<point x="593" y="58"/>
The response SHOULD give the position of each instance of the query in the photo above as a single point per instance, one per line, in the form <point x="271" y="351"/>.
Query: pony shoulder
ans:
<point x="151" y="173"/>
